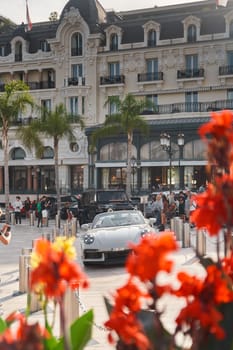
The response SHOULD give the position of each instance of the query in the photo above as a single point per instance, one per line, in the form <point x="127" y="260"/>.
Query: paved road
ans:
<point x="103" y="280"/>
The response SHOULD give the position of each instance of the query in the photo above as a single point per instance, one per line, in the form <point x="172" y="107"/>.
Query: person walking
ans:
<point x="27" y="206"/>
<point x="39" y="212"/>
<point x="17" y="207"/>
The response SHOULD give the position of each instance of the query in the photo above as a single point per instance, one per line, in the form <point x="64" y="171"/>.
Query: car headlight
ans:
<point x="88" y="239"/>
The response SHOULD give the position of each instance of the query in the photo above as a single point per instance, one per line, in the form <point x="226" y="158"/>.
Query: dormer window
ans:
<point x="192" y="33"/>
<point x="76" y="44"/>
<point x="151" y="40"/>
<point x="114" y="42"/>
<point x="18" y="51"/>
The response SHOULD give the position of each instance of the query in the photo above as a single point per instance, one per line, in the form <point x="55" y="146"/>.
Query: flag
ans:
<point x="222" y="3"/>
<point x="29" y="22"/>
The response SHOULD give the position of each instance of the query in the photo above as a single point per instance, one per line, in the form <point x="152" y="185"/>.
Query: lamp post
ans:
<point x="165" y="142"/>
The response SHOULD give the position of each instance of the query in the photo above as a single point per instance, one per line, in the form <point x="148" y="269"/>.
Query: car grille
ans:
<point x="110" y="255"/>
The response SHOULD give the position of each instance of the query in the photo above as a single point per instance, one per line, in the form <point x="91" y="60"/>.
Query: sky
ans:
<point x="39" y="11"/>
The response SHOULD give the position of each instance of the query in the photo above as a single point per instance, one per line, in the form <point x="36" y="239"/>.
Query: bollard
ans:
<point x="200" y="243"/>
<point x="71" y="306"/>
<point x="74" y="227"/>
<point x="172" y="224"/>
<point x="31" y="219"/>
<point x="35" y="304"/>
<point x="12" y="218"/>
<point x="58" y="221"/>
<point x="66" y="230"/>
<point x="56" y="232"/>
<point x="186" y="236"/>
<point x="177" y="228"/>
<point x="24" y="262"/>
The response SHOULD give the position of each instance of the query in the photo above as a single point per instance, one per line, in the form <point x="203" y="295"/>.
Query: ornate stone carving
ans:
<point x="73" y="16"/>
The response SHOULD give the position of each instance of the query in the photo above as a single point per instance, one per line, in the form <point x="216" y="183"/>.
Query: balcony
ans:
<point x="190" y="73"/>
<point x="155" y="76"/>
<point x="191" y="107"/>
<point x="76" y="81"/>
<point x="112" y="79"/>
<point x="226" y="70"/>
<point x="36" y="85"/>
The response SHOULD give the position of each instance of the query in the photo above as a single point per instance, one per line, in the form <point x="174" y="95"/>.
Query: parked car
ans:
<point x="107" y="238"/>
<point x="94" y="202"/>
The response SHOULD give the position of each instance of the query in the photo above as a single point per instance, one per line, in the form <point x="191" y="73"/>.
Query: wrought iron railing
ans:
<point x="153" y="76"/>
<point x="112" y="79"/>
<point x="190" y="73"/>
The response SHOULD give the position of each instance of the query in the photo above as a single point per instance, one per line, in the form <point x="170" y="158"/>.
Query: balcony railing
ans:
<point x="76" y="81"/>
<point x="226" y="70"/>
<point x="190" y="73"/>
<point x="36" y="85"/>
<point x="191" y="107"/>
<point x="112" y="79"/>
<point x="150" y="76"/>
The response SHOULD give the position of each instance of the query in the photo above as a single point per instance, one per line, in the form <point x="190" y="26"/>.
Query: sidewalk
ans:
<point x="22" y="237"/>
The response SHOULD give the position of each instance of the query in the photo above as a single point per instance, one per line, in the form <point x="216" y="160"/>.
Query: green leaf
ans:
<point x="81" y="330"/>
<point x="80" y="333"/>
<point x="3" y="325"/>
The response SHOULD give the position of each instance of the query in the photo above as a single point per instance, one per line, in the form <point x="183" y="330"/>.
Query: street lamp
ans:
<point x="165" y="142"/>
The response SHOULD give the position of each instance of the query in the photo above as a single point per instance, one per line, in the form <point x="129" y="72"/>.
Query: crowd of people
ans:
<point x="167" y="206"/>
<point x="39" y="208"/>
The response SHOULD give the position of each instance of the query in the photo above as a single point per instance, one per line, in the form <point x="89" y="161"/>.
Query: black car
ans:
<point x="93" y="202"/>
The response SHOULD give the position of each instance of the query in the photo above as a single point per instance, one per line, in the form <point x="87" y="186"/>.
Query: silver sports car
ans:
<point x="107" y="238"/>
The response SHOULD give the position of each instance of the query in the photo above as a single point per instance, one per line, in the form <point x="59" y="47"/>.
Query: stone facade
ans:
<point x="180" y="57"/>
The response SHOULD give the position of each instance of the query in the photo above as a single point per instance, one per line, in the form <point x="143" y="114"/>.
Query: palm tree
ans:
<point x="14" y="100"/>
<point x="57" y="124"/>
<point x="126" y="120"/>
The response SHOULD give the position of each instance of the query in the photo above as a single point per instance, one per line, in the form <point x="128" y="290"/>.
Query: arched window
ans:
<point x="114" y="42"/>
<point x="192" y="33"/>
<point x="151" y="40"/>
<point x="18" y="153"/>
<point x="48" y="153"/>
<point x="231" y="30"/>
<point x="74" y="147"/>
<point x="76" y="44"/>
<point x="18" y="51"/>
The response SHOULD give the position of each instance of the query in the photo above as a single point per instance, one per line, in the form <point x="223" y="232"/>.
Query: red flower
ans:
<point x="215" y="206"/>
<point x="203" y="298"/>
<point x="128" y="328"/>
<point x="25" y="336"/>
<point x="150" y="256"/>
<point x="55" y="270"/>
<point x="220" y="144"/>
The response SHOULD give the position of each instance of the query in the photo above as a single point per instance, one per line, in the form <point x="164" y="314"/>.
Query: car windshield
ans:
<point x="118" y="219"/>
<point x="108" y="196"/>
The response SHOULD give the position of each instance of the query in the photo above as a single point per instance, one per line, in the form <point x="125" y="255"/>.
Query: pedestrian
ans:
<point x="39" y="213"/>
<point x="157" y="207"/>
<point x="17" y="207"/>
<point x="181" y="207"/>
<point x="27" y="206"/>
